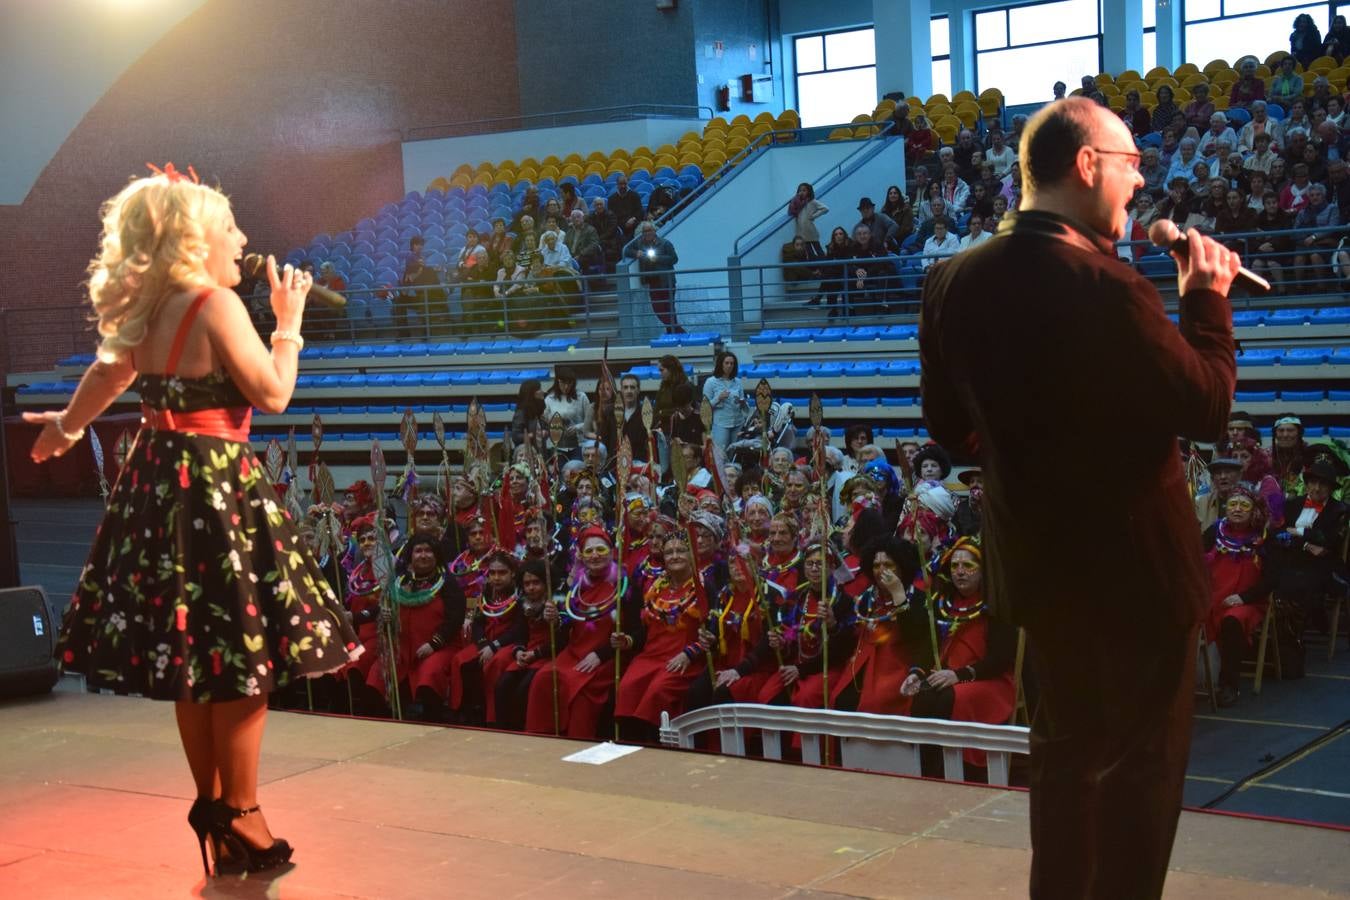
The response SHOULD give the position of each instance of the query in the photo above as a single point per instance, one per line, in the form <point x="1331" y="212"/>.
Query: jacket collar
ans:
<point x="1053" y="225"/>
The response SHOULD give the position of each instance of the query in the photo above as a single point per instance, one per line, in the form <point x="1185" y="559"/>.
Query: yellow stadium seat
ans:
<point x="1263" y="71"/>
<point x="619" y="153"/>
<point x="762" y="128"/>
<point x="841" y="134"/>
<point x="597" y="156"/>
<point x="550" y="160"/>
<point x="572" y="158"/>
<point x="1310" y="76"/>
<point x="690" y="136"/>
<point x="963" y="97"/>
<point x="717" y="122"/>
<point x="736" y="145"/>
<point x="1193" y="79"/>
<point x="764" y="116"/>
<point x="692" y="159"/>
<point x="572" y="169"/>
<point x="1181" y="96"/>
<point x="1104" y="78"/>
<point x="1149" y="99"/>
<point x="1221" y="100"/>
<point x="527" y="173"/>
<point x="968" y="114"/>
<point x="1108" y="90"/>
<point x="1135" y="85"/>
<point x="617" y="165"/>
<point x="914" y="102"/>
<point x="1158" y="72"/>
<point x="666" y="150"/>
<point x="938" y="109"/>
<point x="1184" y="69"/>
<point x="1215" y="65"/>
<point x="709" y="168"/>
<point x="937" y="98"/>
<point x="505" y="176"/>
<point x="1128" y="75"/>
<point x="1167" y="80"/>
<point x="1323" y="64"/>
<point x="742" y="119"/>
<point x="464" y="169"/>
<point x="461" y="181"/>
<point x="439" y="183"/>
<point x="529" y="162"/>
<point x="738" y="133"/>
<point x="864" y="131"/>
<point x="549" y="171"/>
<point x="485" y="167"/>
<point x="641" y="162"/>
<point x="484" y="179"/>
<point x="1116" y="102"/>
<point x="887" y="104"/>
<point x="594" y="168"/>
<point x="667" y="159"/>
<point x="714" y="145"/>
<point x="947" y="131"/>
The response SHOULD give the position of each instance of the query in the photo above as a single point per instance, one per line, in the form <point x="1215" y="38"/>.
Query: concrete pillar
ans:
<point x="961" y="34"/>
<point x="903" y="23"/>
<point x="1170" y="28"/>
<point x="1122" y="35"/>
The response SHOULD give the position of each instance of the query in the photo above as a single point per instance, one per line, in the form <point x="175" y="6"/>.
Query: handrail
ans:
<point x="870" y="741"/>
<point x="587" y="116"/>
<point x="869" y="146"/>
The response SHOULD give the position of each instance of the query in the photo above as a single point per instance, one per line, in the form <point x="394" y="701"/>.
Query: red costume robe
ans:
<point x="671" y="614"/>
<point x="988" y="700"/>
<point x="1236" y="567"/>
<point x="436" y="621"/>
<point x="882" y="658"/>
<point x="497" y="624"/>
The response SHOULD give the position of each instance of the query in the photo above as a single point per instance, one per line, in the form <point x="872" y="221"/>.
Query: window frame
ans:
<point x="1009" y="45"/>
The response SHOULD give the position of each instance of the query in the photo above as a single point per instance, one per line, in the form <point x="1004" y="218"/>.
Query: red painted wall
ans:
<point x="295" y="109"/>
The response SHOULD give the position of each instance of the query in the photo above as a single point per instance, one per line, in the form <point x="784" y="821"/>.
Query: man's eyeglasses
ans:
<point x="1134" y="157"/>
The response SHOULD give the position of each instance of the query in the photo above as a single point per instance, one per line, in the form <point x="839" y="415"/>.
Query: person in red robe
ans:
<point x="734" y="629"/>
<point x="1240" y="583"/>
<point x="654" y="563"/>
<point x="470" y="567"/>
<point x="782" y="562"/>
<point x="665" y="656"/>
<point x="637" y="531"/>
<point x="430" y="610"/>
<point x="527" y="657"/>
<point x="585" y="667"/>
<point x="972" y="678"/>
<point x="364" y="590"/>
<point x="891" y="622"/>
<point x="496" y="624"/>
<point x="823" y="652"/>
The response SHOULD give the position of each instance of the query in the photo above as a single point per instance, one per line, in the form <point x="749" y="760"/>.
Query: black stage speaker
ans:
<point x="27" y="642"/>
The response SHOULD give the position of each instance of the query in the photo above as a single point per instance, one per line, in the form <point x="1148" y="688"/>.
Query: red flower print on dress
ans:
<point x="244" y="467"/>
<point x="180" y="618"/>
<point x="184" y="477"/>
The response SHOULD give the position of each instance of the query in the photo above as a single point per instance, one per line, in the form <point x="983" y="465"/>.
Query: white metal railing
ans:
<point x="869" y="742"/>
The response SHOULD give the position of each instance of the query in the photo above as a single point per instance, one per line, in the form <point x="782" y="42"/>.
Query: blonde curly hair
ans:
<point x="154" y="242"/>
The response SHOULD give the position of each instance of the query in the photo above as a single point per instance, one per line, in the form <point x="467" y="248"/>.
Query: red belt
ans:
<point x="228" y="423"/>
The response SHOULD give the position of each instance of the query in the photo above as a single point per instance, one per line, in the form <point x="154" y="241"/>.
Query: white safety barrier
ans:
<point x="868" y="741"/>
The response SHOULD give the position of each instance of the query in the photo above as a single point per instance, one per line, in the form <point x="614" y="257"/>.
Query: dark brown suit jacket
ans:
<point x="1054" y="365"/>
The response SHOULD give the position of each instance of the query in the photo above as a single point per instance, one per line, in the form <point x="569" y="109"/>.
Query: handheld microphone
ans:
<point x="255" y="264"/>
<point x="1164" y="233"/>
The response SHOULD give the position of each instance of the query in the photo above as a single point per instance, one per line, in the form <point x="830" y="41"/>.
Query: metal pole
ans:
<point x="9" y="552"/>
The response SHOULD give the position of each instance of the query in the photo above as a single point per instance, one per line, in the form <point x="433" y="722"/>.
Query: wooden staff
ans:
<point x="818" y="446"/>
<point x="701" y="591"/>
<point x="623" y="464"/>
<point x="384" y="567"/>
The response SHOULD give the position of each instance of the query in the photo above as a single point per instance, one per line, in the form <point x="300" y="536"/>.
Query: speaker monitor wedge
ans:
<point x="27" y="642"/>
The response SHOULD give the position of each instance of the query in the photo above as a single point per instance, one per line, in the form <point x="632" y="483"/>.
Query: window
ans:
<point x="939" y="36"/>
<point x="1024" y="50"/>
<point x="837" y="72"/>
<point x="1150" y="35"/>
<point x="1229" y="29"/>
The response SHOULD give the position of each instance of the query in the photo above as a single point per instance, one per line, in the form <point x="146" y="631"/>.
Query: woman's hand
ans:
<point x="910" y="686"/>
<point x="727" y="678"/>
<point x="942" y="678"/>
<point x="289" y="289"/>
<point x="789" y="675"/>
<point x="485" y="656"/>
<point x="705" y="638"/>
<point x="1232" y="600"/>
<point x="424" y="651"/>
<point x="775" y="640"/>
<point x="677" y="664"/>
<point x="524" y="657"/>
<point x="551" y="611"/>
<point x="50" y="441"/>
<point x="620" y="641"/>
<point x="589" y="663"/>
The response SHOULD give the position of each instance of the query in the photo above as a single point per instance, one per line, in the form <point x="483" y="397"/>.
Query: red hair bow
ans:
<point x="173" y="174"/>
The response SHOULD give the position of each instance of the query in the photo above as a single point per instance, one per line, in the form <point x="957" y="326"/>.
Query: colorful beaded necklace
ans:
<point x="579" y="609"/>
<point x="406" y="593"/>
<point x="497" y="608"/>
<point x="668" y="601"/>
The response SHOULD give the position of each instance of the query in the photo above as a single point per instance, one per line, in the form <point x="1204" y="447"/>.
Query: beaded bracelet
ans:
<point x="60" y="424"/>
<point x="286" y="335"/>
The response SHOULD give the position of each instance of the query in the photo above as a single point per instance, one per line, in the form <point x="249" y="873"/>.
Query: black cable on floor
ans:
<point x="1259" y="773"/>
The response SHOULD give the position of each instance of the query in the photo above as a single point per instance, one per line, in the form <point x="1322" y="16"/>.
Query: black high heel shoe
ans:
<point x="199" y="817"/>
<point x="239" y="854"/>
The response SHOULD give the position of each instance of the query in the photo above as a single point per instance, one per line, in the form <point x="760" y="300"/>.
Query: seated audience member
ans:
<point x="1255" y="192"/>
<point x="897" y="208"/>
<point x="1185" y="161"/>
<point x="1218" y="131"/>
<point x="1261" y="156"/>
<point x="1248" y="87"/>
<point x="971" y="680"/>
<point x="1179" y="203"/>
<point x="1201" y="107"/>
<point x="1273" y="246"/>
<point x="1260" y="123"/>
<point x="798" y="269"/>
<point x="1259" y="472"/>
<point x="1314" y="248"/>
<point x="1278" y="176"/>
<point x="1165" y="108"/>
<point x="1223" y="478"/>
<point x="1321" y="94"/>
<point x="1286" y="85"/>
<point x="627" y="207"/>
<point x="1000" y="155"/>
<point x="323" y="319"/>
<point x="1294" y="195"/>
<point x="869" y="279"/>
<point x="1088" y="88"/>
<point x="1235" y="217"/>
<point x="993" y="220"/>
<point x="1296" y="121"/>
<point x="1154" y="172"/>
<point x="583" y="244"/>
<point x="527" y="239"/>
<point x="1012" y="187"/>
<point x="529" y="207"/>
<point x="657" y="258"/>
<point x="1144" y="212"/>
<point x="1338" y="187"/>
<point x="881" y="228"/>
<point x="607" y="228"/>
<point x="1336" y="111"/>
<point x="1317" y="167"/>
<point x="981" y="204"/>
<point x="955" y="192"/>
<point x="497" y="243"/>
<point x="570" y="200"/>
<point x="1240" y="583"/>
<point x="1135" y="117"/>
<point x="1057" y="91"/>
<point x="555" y="253"/>
<point x="420" y="294"/>
<point x="921" y="141"/>
<point x="834" y="280"/>
<point x="1305" y="557"/>
<point x="1328" y="141"/>
<point x="976" y="234"/>
<point x="918" y="191"/>
<point x="943" y="243"/>
<point x="937" y="213"/>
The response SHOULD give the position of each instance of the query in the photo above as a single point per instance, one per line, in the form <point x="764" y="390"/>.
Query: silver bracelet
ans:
<point x="287" y="335"/>
<point x="60" y="424"/>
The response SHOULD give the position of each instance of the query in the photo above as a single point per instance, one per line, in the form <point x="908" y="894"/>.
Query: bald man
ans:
<point x="1077" y="345"/>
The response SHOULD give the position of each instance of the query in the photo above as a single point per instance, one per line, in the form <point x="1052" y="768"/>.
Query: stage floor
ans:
<point x="93" y="794"/>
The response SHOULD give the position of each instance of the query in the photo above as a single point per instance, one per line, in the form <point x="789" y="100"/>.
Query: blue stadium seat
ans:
<point x="354" y="410"/>
<point x="760" y="370"/>
<point x="1259" y="357"/>
<point x="462" y="378"/>
<point x="1303" y="396"/>
<point x="832" y="334"/>
<point x="1336" y="396"/>
<point x="498" y="407"/>
<point x="664" y="341"/>
<point x="494" y="377"/>
<point x="866" y="333"/>
<point x="1157" y="265"/>
<point x="767" y="336"/>
<point x="1339" y="431"/>
<point x="797" y="369"/>
<point x="1275" y="111"/>
<point x="1288" y="316"/>
<point x="828" y="369"/>
<point x="860" y="401"/>
<point x="831" y="401"/>
<point x="554" y="344"/>
<point x="409" y="379"/>
<point x="351" y="381"/>
<point x="863" y="369"/>
<point x="902" y="367"/>
<point x="1246" y="318"/>
<point x="894" y="400"/>
<point x="901" y="332"/>
<point x="1336" y="315"/>
<point x="799" y="335"/>
<point x="388" y="351"/>
<point x="1254" y="396"/>
<point x="1306" y="356"/>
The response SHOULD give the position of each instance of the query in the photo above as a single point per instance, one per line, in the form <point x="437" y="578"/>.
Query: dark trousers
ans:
<point x="1109" y="743"/>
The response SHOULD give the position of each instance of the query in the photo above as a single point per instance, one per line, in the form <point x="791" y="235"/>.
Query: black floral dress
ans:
<point x="198" y="586"/>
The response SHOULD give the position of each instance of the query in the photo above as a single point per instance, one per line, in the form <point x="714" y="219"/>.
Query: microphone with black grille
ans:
<point x="1164" y="233"/>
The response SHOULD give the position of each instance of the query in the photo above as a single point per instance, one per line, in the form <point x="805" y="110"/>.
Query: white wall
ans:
<point x="57" y="58"/>
<point x="870" y="179"/>
<point x="424" y="161"/>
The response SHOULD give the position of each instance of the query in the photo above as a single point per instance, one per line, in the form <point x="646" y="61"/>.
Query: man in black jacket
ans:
<point x="626" y="206"/>
<point x="1076" y="345"/>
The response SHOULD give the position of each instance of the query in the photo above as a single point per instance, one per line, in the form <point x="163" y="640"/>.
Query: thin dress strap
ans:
<point x="184" y="326"/>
